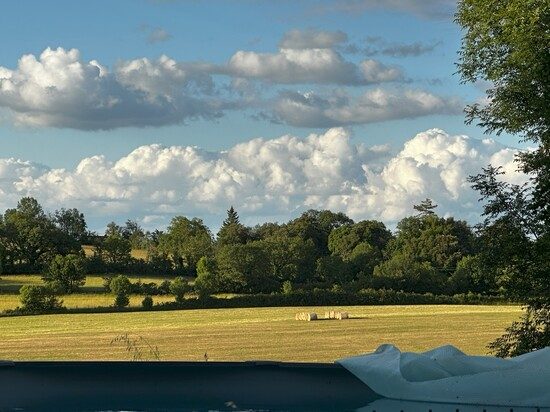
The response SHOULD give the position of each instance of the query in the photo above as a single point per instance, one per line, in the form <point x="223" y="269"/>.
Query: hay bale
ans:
<point x="342" y="315"/>
<point x="306" y="316"/>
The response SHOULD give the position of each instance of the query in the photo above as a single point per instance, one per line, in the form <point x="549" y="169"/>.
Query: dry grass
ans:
<point x="256" y="333"/>
<point x="83" y="300"/>
<point x="136" y="253"/>
<point x="94" y="283"/>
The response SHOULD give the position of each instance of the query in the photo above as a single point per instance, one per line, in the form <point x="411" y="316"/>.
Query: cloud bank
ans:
<point x="263" y="178"/>
<point x="59" y="89"/>
<point x="341" y="109"/>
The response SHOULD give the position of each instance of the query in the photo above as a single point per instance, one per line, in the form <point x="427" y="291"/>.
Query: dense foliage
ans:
<point x="506" y="44"/>
<point x="319" y="249"/>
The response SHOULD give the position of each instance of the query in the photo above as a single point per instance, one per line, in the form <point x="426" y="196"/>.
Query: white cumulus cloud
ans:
<point x="309" y="57"/>
<point x="58" y="89"/>
<point x="339" y="108"/>
<point x="263" y="178"/>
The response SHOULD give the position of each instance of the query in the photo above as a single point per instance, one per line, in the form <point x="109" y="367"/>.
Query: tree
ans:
<point x="425" y="208"/>
<point x="360" y="244"/>
<point x="65" y="274"/>
<point x="72" y="224"/>
<point x="290" y="257"/>
<point x="505" y="43"/>
<point x="317" y="225"/>
<point x="232" y="230"/>
<point x="28" y="235"/>
<point x="404" y="272"/>
<point x="121" y="287"/>
<point x="245" y="268"/>
<point x="179" y="287"/>
<point x="185" y="242"/>
<point x="135" y="234"/>
<point x="332" y="269"/>
<point x="425" y="253"/>
<point x="147" y="302"/>
<point x="115" y="249"/>
<point x="206" y="282"/>
<point x="37" y="299"/>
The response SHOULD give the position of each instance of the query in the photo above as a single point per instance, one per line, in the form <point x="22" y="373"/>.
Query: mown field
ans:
<point x="257" y="333"/>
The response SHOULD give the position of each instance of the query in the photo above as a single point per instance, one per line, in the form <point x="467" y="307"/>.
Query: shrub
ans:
<point x="206" y="282"/>
<point x="120" y="285"/>
<point x="65" y="274"/>
<point x="38" y="299"/>
<point x="164" y="287"/>
<point x="122" y="301"/>
<point x="147" y="302"/>
<point x="178" y="288"/>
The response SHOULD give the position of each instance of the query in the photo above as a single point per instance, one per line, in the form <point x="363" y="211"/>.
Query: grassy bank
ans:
<point x="254" y="333"/>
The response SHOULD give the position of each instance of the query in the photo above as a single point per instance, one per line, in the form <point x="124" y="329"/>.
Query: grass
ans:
<point x="82" y="300"/>
<point x="94" y="283"/>
<point x="91" y="295"/>
<point x="257" y="333"/>
<point x="136" y="253"/>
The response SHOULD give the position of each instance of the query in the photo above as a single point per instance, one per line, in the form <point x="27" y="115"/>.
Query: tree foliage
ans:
<point x="506" y="43"/>
<point x="232" y="231"/>
<point x="185" y="242"/>
<point x="65" y="274"/>
<point x="37" y="299"/>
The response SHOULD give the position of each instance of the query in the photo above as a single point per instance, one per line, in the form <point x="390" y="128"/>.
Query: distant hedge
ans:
<point x="299" y="298"/>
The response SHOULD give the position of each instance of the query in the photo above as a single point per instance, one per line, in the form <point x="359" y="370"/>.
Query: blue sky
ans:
<point x="209" y="96"/>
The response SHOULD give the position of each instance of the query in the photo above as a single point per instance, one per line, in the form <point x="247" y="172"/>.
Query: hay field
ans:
<point x="255" y="333"/>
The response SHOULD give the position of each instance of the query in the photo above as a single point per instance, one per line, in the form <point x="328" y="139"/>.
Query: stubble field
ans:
<point x="253" y="334"/>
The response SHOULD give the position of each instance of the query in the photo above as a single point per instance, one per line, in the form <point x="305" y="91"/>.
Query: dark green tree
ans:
<point x="505" y="43"/>
<point x="28" y="236"/>
<point x="361" y="245"/>
<point x="232" y="231"/>
<point x="245" y="268"/>
<point x="426" y="207"/>
<point x="317" y="225"/>
<point x="37" y="299"/>
<point x="179" y="287"/>
<point x="185" y="242"/>
<point x="72" y="224"/>
<point x="424" y="254"/>
<point x="115" y="249"/>
<point x="290" y="257"/>
<point x="65" y="274"/>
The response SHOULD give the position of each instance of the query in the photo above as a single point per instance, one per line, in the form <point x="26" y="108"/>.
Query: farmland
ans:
<point x="254" y="333"/>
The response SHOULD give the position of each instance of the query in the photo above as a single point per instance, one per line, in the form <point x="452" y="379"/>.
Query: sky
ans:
<point x="147" y="109"/>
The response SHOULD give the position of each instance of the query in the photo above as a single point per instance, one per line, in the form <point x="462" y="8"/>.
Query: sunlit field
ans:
<point x="256" y="333"/>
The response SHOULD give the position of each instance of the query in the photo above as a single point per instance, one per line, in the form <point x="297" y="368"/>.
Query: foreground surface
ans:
<point x="256" y="333"/>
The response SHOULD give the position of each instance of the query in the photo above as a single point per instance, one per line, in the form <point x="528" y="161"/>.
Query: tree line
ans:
<point x="319" y="249"/>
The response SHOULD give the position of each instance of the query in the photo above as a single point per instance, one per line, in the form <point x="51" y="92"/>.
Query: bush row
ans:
<point x="315" y="298"/>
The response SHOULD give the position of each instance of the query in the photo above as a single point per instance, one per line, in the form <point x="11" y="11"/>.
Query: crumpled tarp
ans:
<point x="447" y="375"/>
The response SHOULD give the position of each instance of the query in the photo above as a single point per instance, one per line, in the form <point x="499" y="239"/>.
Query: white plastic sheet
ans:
<point x="447" y="375"/>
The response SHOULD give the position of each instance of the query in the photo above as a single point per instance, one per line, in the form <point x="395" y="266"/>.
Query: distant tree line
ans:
<point x="317" y="250"/>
